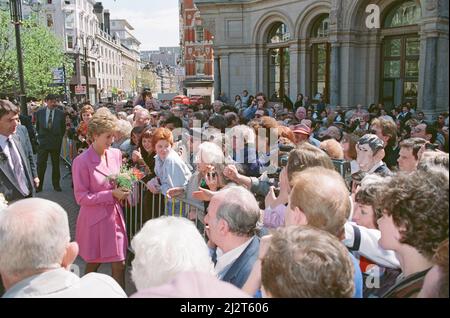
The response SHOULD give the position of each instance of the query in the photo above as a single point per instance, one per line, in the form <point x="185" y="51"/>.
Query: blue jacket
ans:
<point x="239" y="272"/>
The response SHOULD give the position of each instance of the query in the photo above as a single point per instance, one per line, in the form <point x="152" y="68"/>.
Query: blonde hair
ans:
<point x="86" y="109"/>
<point x="103" y="111"/>
<point x="306" y="156"/>
<point x="303" y="262"/>
<point x="101" y="123"/>
<point x="333" y="149"/>
<point x="321" y="194"/>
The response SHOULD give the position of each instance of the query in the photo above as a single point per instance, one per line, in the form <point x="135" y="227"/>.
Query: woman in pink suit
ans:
<point x="100" y="231"/>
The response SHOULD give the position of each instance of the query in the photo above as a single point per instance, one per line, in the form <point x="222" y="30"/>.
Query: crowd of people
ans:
<point x="297" y="200"/>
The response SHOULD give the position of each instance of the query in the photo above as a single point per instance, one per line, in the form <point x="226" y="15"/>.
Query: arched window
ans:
<point x="279" y="33"/>
<point x="320" y="28"/>
<point x="279" y="61"/>
<point x="320" y="59"/>
<point x="400" y="53"/>
<point x="406" y="13"/>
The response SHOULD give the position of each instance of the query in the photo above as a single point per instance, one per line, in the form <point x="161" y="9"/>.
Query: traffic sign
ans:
<point x="58" y="75"/>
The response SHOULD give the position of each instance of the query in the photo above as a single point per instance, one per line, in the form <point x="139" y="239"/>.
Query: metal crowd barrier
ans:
<point x="142" y="205"/>
<point x="68" y="153"/>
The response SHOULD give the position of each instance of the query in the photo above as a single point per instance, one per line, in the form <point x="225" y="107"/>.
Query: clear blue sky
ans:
<point x="155" y="22"/>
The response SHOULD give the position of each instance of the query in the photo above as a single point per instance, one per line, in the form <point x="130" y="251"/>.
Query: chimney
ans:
<point x="106" y="16"/>
<point x="98" y="11"/>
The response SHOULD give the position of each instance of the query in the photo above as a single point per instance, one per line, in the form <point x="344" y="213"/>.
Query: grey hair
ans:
<point x="166" y="246"/>
<point x="374" y="142"/>
<point x="209" y="153"/>
<point x="122" y="115"/>
<point x="143" y="111"/>
<point x="433" y="160"/>
<point x="371" y="180"/>
<point x="124" y="127"/>
<point x="34" y="234"/>
<point x="239" y="209"/>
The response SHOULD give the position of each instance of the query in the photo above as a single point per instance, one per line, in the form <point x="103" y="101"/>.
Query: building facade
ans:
<point x="102" y="48"/>
<point x="75" y="22"/>
<point x="109" y="62"/>
<point x="109" y="70"/>
<point x="334" y="48"/>
<point x="197" y="52"/>
<point x="131" y="61"/>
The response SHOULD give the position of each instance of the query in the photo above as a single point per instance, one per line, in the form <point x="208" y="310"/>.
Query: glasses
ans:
<point x="374" y="132"/>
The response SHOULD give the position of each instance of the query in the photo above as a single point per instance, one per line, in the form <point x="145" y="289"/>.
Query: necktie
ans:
<point x="18" y="169"/>
<point x="50" y="120"/>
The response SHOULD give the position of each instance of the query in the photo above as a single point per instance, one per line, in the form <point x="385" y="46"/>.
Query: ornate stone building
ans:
<point x="329" y="47"/>
<point x="197" y="52"/>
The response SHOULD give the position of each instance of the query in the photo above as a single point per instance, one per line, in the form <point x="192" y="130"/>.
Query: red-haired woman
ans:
<point x="170" y="170"/>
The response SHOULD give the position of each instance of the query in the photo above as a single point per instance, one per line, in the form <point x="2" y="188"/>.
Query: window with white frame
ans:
<point x="200" y="65"/>
<point x="199" y="34"/>
<point x="69" y="20"/>
<point x="70" y="42"/>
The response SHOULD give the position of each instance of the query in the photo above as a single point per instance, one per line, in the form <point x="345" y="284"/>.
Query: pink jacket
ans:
<point x="96" y="224"/>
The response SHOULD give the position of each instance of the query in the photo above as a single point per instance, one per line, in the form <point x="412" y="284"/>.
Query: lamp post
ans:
<point x="15" y="8"/>
<point x="94" y="49"/>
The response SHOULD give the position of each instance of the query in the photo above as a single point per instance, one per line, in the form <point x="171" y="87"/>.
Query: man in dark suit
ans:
<point x="18" y="177"/>
<point x="26" y="121"/>
<point x="231" y="225"/>
<point x="51" y="127"/>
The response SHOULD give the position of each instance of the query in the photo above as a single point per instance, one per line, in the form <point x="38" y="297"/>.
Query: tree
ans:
<point x="7" y="60"/>
<point x="148" y="79"/>
<point x="42" y="52"/>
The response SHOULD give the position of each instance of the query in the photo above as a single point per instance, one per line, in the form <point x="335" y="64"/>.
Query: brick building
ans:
<point x="197" y="52"/>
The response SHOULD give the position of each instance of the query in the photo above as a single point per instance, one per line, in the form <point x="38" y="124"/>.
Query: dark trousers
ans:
<point x="42" y="166"/>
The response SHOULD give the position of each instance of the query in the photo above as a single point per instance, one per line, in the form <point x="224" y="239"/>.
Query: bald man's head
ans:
<point x="34" y="234"/>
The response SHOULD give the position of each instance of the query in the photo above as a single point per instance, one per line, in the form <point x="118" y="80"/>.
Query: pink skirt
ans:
<point x="105" y="241"/>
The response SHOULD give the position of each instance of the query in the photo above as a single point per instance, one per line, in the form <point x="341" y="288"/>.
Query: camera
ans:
<point x="212" y="174"/>
<point x="344" y="169"/>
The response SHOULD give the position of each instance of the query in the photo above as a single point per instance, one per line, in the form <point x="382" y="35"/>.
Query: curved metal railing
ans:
<point x="142" y="205"/>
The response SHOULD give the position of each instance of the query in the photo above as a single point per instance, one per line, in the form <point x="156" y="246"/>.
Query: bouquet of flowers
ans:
<point x="126" y="177"/>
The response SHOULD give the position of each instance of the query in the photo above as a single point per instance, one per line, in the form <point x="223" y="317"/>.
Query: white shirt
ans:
<point x="6" y="151"/>
<point x="61" y="283"/>
<point x="224" y="260"/>
<point x="354" y="167"/>
<point x="47" y="114"/>
<point x="369" y="246"/>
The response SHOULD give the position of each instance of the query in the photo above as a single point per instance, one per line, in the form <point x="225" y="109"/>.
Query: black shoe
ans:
<point x="38" y="190"/>
<point x="58" y="189"/>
